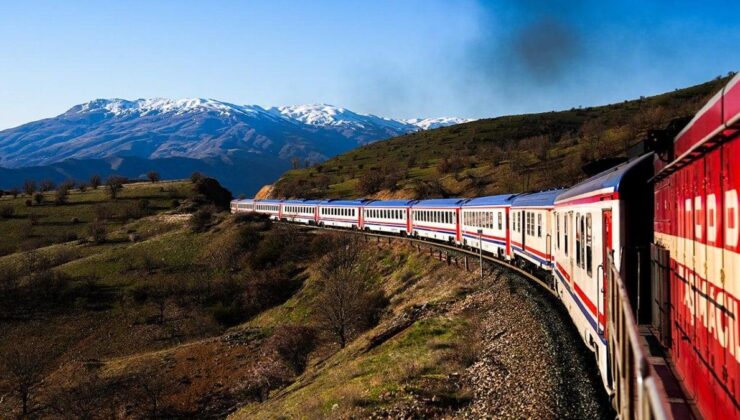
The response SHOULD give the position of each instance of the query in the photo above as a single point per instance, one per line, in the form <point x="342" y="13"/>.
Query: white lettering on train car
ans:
<point x="698" y="219"/>
<point x="711" y="215"/>
<point x="730" y="222"/>
<point x="731" y="228"/>
<point x="711" y="315"/>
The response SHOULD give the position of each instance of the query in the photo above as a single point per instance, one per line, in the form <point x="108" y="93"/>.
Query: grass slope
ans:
<point x="491" y="156"/>
<point x="62" y="223"/>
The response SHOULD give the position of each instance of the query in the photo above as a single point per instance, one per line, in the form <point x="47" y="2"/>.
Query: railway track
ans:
<point x="433" y="244"/>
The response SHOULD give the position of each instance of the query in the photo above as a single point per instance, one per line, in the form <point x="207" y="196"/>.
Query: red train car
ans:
<point x="697" y="223"/>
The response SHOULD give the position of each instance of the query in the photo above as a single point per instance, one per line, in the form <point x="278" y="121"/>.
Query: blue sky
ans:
<point x="392" y="58"/>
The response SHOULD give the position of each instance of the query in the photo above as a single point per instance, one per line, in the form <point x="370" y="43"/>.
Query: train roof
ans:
<point x="390" y="203"/>
<point x="343" y="202"/>
<point x="491" y="200"/>
<point x="301" y="201"/>
<point x="608" y="180"/>
<point x="271" y="201"/>
<point x="537" y="199"/>
<point x="441" y="202"/>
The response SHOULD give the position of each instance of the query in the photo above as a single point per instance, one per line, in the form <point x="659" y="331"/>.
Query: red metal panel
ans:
<point x="731" y="101"/>
<point x="708" y="120"/>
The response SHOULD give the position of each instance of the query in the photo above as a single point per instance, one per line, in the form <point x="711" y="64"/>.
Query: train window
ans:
<point x="539" y="225"/>
<point x="500" y="220"/>
<point x="583" y="242"/>
<point x="589" y="256"/>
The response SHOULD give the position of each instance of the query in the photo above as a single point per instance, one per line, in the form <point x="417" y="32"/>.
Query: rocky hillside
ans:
<point x="507" y="154"/>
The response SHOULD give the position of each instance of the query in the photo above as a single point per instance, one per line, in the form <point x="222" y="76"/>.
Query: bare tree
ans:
<point x="95" y="181"/>
<point x="347" y="298"/>
<point x="97" y="231"/>
<point x="62" y="194"/>
<point x="46" y="185"/>
<point x="29" y="187"/>
<point x="23" y="368"/>
<point x="153" y="176"/>
<point x="115" y="185"/>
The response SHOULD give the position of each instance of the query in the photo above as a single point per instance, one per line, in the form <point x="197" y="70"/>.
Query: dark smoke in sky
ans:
<point x="544" y="49"/>
<point x="525" y="42"/>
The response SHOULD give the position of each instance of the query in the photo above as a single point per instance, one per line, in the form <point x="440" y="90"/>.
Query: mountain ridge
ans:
<point x="158" y="129"/>
<point x="514" y="153"/>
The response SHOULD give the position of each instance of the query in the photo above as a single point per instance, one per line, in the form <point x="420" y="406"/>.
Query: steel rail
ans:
<point x="431" y="243"/>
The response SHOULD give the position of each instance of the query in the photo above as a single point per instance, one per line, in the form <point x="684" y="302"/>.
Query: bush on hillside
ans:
<point x="208" y="190"/>
<point x="6" y="212"/>
<point x="97" y="231"/>
<point x="201" y="219"/>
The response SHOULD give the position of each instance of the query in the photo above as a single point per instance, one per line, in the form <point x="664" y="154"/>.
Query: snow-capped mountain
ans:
<point x="432" y="123"/>
<point x="199" y="129"/>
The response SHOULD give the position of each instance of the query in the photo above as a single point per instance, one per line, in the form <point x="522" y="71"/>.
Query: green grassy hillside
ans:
<point x="499" y="155"/>
<point x="26" y="227"/>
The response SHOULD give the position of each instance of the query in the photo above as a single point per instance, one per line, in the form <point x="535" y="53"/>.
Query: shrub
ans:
<point x="14" y="192"/>
<point x="95" y="181"/>
<point x="115" y="185"/>
<point x="46" y="185"/>
<point x="61" y="195"/>
<point x="29" y="203"/>
<point x="292" y="343"/>
<point x="75" y="220"/>
<point x="153" y="176"/>
<point x="38" y="198"/>
<point x="371" y="182"/>
<point x="195" y="177"/>
<point x="201" y="219"/>
<point x="6" y="212"/>
<point x="97" y="231"/>
<point x="227" y="315"/>
<point x="175" y="203"/>
<point x="208" y="190"/>
<point x="34" y="219"/>
<point x="29" y="187"/>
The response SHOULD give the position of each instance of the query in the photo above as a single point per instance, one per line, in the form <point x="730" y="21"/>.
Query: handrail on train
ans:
<point x="635" y="388"/>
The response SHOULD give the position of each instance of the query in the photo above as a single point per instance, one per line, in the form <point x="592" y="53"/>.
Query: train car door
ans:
<point x="507" y="234"/>
<point x="524" y="229"/>
<point x="408" y="220"/>
<point x="606" y="235"/>
<point x="571" y="242"/>
<point x="458" y="225"/>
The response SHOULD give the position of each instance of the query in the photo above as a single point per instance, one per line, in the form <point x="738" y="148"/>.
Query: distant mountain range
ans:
<point x="246" y="146"/>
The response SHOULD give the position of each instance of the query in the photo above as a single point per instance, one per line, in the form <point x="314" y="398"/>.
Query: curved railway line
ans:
<point x="643" y="256"/>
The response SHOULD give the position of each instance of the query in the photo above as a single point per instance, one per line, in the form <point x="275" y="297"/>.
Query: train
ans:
<point x="665" y="225"/>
